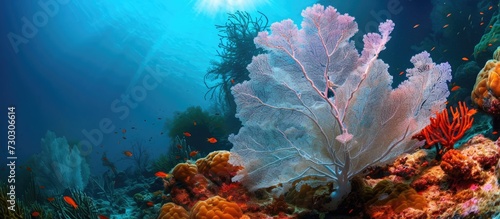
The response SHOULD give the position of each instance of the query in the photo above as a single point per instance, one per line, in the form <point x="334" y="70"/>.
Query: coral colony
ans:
<point x="323" y="134"/>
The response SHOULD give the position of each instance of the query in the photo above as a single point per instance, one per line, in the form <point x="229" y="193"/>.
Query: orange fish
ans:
<point x="179" y="146"/>
<point x="491" y="7"/>
<point x="232" y="81"/>
<point x="150" y="204"/>
<point x="415" y="26"/>
<point x="28" y="169"/>
<point x="103" y="217"/>
<point x="494" y="132"/>
<point x="42" y="187"/>
<point x="446" y="25"/>
<point x="465" y="59"/>
<point x="481" y="13"/>
<point x="212" y="140"/>
<point x="193" y="153"/>
<point x="70" y="201"/>
<point x="433" y="48"/>
<point x="35" y="214"/>
<point x="187" y="134"/>
<point x="51" y="199"/>
<point x="449" y="14"/>
<point x="124" y="131"/>
<point x="401" y="73"/>
<point x="128" y="153"/>
<point x="471" y="112"/>
<point x="481" y="24"/>
<point x="161" y="174"/>
<point x="455" y="88"/>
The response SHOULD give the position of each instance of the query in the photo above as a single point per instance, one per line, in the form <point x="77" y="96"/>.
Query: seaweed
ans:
<point x="236" y="51"/>
<point x="86" y="208"/>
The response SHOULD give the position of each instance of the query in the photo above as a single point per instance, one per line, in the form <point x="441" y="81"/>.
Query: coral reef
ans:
<point x="192" y="189"/>
<point x="462" y="184"/>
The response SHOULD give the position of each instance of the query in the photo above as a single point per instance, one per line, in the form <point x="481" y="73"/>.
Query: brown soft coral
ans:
<point x="461" y="167"/>
<point x="216" y="167"/>
<point x="487" y="88"/>
<point x="216" y="207"/>
<point x="173" y="211"/>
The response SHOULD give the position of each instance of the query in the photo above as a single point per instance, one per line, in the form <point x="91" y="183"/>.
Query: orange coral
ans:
<point x="487" y="87"/>
<point x="461" y="167"/>
<point x="183" y="172"/>
<point x="216" y="167"/>
<point x="216" y="207"/>
<point x="173" y="211"/>
<point x="444" y="132"/>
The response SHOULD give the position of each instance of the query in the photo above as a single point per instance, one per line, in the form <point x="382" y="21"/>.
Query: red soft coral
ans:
<point x="443" y="132"/>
